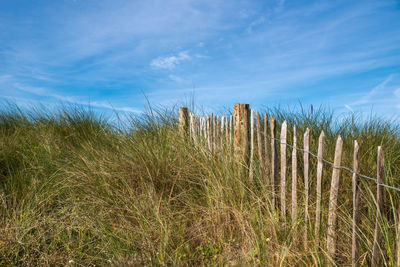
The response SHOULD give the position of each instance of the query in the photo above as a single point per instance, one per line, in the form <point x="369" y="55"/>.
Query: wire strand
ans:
<point x="333" y="165"/>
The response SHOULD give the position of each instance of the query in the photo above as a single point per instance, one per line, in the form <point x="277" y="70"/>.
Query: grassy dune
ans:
<point x="77" y="190"/>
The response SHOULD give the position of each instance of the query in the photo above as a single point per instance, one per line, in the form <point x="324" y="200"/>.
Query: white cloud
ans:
<point x="175" y="78"/>
<point x="255" y="23"/>
<point x="170" y="62"/>
<point x="102" y="104"/>
<point x="348" y="108"/>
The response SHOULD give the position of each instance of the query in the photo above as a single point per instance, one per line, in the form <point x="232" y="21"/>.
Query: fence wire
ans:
<point x="330" y="163"/>
<point x="333" y="165"/>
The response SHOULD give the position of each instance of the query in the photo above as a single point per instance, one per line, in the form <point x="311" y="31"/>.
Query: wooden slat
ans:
<point x="283" y="169"/>
<point x="266" y="157"/>
<point x="209" y="132"/>
<point x="251" y="171"/>
<point x="398" y="239"/>
<point x="197" y="126"/>
<point x="333" y="197"/>
<point x="230" y="132"/>
<point x="356" y="201"/>
<point x="217" y="133"/>
<point x="190" y="124"/>
<point x="260" y="145"/>
<point x="214" y="133"/>
<point x="376" y="258"/>
<point x="294" y="177"/>
<point x="320" y="166"/>
<point x="226" y="132"/>
<point x="274" y="165"/>
<point x="306" y="157"/>
<point x="222" y="137"/>
<point x="204" y="130"/>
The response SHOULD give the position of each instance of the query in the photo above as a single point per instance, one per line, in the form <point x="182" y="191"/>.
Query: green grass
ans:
<point x="75" y="189"/>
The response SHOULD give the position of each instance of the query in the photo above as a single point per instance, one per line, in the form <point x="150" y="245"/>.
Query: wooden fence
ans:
<point x="238" y="132"/>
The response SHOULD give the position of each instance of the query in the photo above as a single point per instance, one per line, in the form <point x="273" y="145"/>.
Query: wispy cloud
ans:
<point x="40" y="91"/>
<point x="170" y="62"/>
<point x="368" y="97"/>
<point x="175" y="78"/>
<point x="348" y="108"/>
<point x="4" y="78"/>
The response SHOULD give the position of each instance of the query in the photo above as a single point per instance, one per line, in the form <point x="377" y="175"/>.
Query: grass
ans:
<point x="77" y="190"/>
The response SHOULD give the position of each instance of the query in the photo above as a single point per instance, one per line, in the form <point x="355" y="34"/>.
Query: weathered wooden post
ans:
<point x="266" y="165"/>
<point x="356" y="202"/>
<point x="274" y="162"/>
<point x="306" y="160"/>
<point x="379" y="208"/>
<point x="184" y="121"/>
<point x="259" y="145"/>
<point x="283" y="169"/>
<point x="320" y="167"/>
<point x="241" y="135"/>
<point x="294" y="178"/>
<point x="209" y="133"/>
<point x="333" y="197"/>
<point x="251" y="171"/>
<point x="398" y="239"/>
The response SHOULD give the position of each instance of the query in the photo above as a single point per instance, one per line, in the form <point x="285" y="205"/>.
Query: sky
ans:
<point x="118" y="55"/>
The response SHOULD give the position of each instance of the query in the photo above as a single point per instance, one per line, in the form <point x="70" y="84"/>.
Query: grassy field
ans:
<point x="75" y="189"/>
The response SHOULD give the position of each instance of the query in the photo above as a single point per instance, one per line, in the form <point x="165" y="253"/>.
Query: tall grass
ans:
<point x="77" y="190"/>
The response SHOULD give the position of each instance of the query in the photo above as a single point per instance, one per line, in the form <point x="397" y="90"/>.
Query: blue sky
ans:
<point x="110" y="54"/>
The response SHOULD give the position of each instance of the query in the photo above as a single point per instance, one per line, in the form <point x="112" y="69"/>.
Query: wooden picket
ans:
<point x="333" y="197"/>
<point x="294" y="177"/>
<point x="319" y="187"/>
<point x="251" y="167"/>
<point x="259" y="146"/>
<point x="266" y="157"/>
<point x="356" y="202"/>
<point x="306" y="156"/>
<point x="274" y="159"/>
<point x="379" y="208"/>
<point x="283" y="169"/>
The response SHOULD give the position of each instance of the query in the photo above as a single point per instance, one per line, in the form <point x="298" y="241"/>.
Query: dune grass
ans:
<point x="77" y="190"/>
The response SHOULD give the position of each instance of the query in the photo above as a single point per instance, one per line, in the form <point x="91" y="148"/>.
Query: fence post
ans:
<point x="226" y="132"/>
<point x="320" y="166"/>
<point x="184" y="121"/>
<point x="230" y="133"/>
<point x="283" y="169"/>
<point x="333" y="196"/>
<point x="356" y="201"/>
<point x="266" y="165"/>
<point x="241" y="134"/>
<point x="251" y="171"/>
<point x="260" y="145"/>
<point x="214" y="134"/>
<point x="294" y="177"/>
<point x="274" y="165"/>
<point x="306" y="156"/>
<point x="221" y="132"/>
<point x="398" y="240"/>
<point x="209" y="132"/>
<point x="379" y="207"/>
